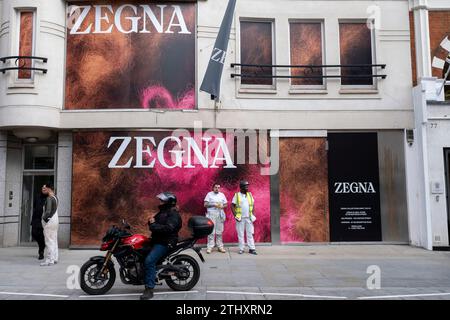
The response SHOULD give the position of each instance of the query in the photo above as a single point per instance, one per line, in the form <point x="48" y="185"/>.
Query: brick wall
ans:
<point x="439" y="29"/>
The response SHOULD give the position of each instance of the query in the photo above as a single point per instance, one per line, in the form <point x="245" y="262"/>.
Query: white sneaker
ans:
<point x="47" y="263"/>
<point x="208" y="251"/>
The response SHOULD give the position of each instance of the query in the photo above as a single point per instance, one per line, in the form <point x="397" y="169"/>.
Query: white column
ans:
<point x="3" y="140"/>
<point x="418" y="187"/>
<point x="63" y="186"/>
<point x="13" y="193"/>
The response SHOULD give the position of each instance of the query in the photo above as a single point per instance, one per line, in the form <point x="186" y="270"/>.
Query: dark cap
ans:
<point x="243" y="183"/>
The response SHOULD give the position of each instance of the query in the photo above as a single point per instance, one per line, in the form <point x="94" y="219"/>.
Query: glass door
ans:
<point x="31" y="205"/>
<point x="38" y="169"/>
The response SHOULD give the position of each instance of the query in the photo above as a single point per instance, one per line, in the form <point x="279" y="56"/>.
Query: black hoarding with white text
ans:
<point x="354" y="187"/>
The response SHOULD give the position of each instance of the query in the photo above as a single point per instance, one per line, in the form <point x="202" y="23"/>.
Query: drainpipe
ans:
<point x="421" y="115"/>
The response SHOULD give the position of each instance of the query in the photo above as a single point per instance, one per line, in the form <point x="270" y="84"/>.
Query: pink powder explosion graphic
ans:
<point x="158" y="97"/>
<point x="191" y="186"/>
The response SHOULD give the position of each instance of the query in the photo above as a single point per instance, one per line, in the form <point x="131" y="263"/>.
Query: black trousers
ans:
<point x="38" y="236"/>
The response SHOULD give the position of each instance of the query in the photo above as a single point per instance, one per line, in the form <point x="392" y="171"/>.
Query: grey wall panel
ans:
<point x="394" y="211"/>
<point x="64" y="186"/>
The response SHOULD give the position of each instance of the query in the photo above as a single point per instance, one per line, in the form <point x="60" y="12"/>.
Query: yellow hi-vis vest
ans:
<point x="238" y="207"/>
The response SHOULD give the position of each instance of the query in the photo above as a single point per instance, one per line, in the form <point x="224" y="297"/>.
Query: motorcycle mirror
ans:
<point x="125" y="225"/>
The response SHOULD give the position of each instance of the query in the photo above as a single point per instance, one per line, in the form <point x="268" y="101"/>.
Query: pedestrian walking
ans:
<point x="37" y="230"/>
<point x="50" y="223"/>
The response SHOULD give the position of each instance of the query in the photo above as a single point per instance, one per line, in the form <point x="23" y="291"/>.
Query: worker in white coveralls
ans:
<point x="215" y="203"/>
<point x="50" y="225"/>
<point x="243" y="207"/>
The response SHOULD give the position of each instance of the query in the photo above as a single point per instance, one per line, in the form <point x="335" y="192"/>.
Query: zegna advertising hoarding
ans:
<point x="130" y="54"/>
<point x="116" y="175"/>
<point x="303" y="176"/>
<point x="323" y="196"/>
<point x="354" y="187"/>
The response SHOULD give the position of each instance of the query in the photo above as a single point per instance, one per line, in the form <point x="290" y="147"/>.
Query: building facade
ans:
<point x="109" y="108"/>
<point x="429" y="157"/>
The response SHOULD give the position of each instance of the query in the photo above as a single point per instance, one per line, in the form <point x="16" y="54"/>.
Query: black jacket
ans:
<point x="166" y="226"/>
<point x="38" y="210"/>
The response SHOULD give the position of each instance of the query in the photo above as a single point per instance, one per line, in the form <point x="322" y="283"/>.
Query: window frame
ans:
<point x="294" y="87"/>
<point x="37" y="144"/>
<point x="256" y="88"/>
<point x="446" y="88"/>
<point x="15" y="81"/>
<point x="374" y="85"/>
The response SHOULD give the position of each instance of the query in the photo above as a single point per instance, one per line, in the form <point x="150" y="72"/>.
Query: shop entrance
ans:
<point x="38" y="169"/>
<point x="447" y="175"/>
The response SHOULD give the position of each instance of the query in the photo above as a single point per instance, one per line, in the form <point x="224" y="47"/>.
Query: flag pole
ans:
<point x="212" y="79"/>
<point x="217" y="103"/>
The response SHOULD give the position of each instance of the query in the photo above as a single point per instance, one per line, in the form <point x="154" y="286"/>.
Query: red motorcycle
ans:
<point x="181" y="272"/>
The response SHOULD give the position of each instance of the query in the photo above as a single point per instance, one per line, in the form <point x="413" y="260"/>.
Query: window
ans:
<point x="40" y="157"/>
<point x="306" y="49"/>
<point x="26" y="30"/>
<point x="256" y="49"/>
<point x="356" y="49"/>
<point x="447" y="80"/>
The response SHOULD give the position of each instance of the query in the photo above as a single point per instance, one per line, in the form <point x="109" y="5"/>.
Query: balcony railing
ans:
<point x="18" y="67"/>
<point x="310" y="68"/>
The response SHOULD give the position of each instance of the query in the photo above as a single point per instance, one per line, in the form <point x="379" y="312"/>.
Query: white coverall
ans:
<point x="51" y="237"/>
<point x="245" y="226"/>
<point x="217" y="216"/>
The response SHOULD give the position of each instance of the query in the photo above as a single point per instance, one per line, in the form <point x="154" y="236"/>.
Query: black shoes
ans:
<point x="251" y="251"/>
<point x="148" y="294"/>
<point x="41" y="256"/>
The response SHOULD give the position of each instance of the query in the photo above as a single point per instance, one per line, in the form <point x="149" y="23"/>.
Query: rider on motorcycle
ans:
<point x="164" y="227"/>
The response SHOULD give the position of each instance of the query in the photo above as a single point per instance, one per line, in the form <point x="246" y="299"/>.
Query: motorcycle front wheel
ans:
<point x="96" y="286"/>
<point x="190" y="276"/>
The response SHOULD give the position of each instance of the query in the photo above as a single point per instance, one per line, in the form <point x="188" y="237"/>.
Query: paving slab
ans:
<point x="277" y="272"/>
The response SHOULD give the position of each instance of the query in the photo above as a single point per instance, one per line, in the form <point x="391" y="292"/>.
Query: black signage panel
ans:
<point x="354" y="187"/>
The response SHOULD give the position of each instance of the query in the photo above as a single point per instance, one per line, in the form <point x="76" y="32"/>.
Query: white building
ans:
<point x="429" y="155"/>
<point x="341" y="120"/>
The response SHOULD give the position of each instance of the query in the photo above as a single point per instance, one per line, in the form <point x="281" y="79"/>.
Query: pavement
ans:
<point x="322" y="272"/>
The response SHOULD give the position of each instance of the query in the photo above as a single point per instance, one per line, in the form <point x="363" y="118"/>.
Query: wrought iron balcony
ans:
<point x="308" y="69"/>
<point x="22" y="67"/>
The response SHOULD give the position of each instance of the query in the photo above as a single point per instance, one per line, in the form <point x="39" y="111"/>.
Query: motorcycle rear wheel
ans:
<point x="193" y="274"/>
<point x="92" y="286"/>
